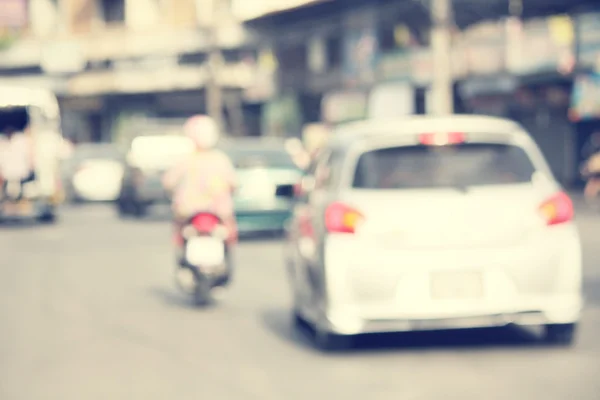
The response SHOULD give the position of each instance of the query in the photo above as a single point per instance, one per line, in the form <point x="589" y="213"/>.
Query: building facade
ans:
<point x="115" y="62"/>
<point x="358" y="59"/>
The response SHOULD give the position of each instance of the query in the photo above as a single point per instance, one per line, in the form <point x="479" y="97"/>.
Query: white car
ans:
<point x="429" y="223"/>
<point x="94" y="172"/>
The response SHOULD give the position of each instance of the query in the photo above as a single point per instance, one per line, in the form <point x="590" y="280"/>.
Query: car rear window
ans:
<point x="418" y="167"/>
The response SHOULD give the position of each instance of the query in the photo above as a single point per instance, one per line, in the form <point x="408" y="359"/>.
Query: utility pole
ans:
<point x="64" y="17"/>
<point x="441" y="43"/>
<point x="214" y="93"/>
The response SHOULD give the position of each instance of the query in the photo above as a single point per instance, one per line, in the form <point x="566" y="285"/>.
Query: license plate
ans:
<point x="454" y="285"/>
<point x="23" y="208"/>
<point x="205" y="251"/>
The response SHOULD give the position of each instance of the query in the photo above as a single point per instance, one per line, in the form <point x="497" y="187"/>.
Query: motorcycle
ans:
<point x="205" y="261"/>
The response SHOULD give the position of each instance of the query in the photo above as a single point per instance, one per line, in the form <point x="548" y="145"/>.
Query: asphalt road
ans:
<point x="88" y="311"/>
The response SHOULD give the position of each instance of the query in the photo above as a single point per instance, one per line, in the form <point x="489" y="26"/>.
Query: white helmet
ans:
<point x="203" y="131"/>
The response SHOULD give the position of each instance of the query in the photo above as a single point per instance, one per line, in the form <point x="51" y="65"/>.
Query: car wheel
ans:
<point x="298" y="322"/>
<point x="328" y="342"/>
<point x="47" y="218"/>
<point x="140" y="210"/>
<point x="74" y="199"/>
<point x="122" y="208"/>
<point x="560" y="334"/>
<point x="202" y="293"/>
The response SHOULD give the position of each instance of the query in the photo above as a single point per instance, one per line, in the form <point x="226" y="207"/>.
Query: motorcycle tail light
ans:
<point x="205" y="223"/>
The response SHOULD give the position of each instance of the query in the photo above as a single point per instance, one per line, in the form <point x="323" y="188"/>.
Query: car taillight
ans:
<point x="441" y="139"/>
<point x="205" y="223"/>
<point x="340" y="218"/>
<point x="558" y="209"/>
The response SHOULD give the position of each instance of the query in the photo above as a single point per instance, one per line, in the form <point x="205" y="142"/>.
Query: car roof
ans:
<point x="473" y="124"/>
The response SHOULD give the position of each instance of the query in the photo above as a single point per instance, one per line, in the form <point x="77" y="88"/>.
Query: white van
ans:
<point x="35" y="113"/>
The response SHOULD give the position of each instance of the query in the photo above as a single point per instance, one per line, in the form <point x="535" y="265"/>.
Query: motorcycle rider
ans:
<point x="205" y="181"/>
<point x="299" y="155"/>
<point x="16" y="162"/>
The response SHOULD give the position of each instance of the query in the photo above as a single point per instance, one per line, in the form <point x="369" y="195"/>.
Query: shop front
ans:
<point x="282" y="116"/>
<point x="523" y="71"/>
<point x="542" y="58"/>
<point x="484" y="86"/>
<point x="585" y="100"/>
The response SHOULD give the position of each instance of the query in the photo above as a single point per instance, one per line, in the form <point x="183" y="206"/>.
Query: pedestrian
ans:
<point x="591" y="170"/>
<point x="16" y="162"/>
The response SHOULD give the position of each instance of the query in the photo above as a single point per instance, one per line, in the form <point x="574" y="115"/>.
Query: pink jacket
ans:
<point x="203" y="182"/>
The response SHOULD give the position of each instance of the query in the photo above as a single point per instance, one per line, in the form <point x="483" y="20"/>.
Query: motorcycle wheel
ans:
<point x="202" y="292"/>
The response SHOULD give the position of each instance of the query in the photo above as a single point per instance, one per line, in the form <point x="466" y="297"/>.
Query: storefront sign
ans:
<point x="483" y="46"/>
<point x="360" y="49"/>
<point x="344" y="106"/>
<point x="146" y="63"/>
<point x="544" y="45"/>
<point x="477" y="86"/>
<point x="588" y="36"/>
<point x="264" y="85"/>
<point x="585" y="101"/>
<point x="391" y="100"/>
<point x="395" y="66"/>
<point x="422" y="66"/>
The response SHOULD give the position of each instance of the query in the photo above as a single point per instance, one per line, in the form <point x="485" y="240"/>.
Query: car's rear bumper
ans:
<point x="539" y="282"/>
<point x="525" y="311"/>
<point x="249" y="221"/>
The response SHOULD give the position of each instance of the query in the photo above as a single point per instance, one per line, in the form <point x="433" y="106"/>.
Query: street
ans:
<point x="89" y="311"/>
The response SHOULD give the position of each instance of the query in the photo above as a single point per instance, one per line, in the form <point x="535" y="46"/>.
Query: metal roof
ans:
<point x="466" y="12"/>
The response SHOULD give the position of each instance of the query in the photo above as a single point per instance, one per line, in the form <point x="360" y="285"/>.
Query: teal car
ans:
<point x="263" y="169"/>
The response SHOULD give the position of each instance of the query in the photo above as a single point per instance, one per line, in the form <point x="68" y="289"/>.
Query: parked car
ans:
<point x="148" y="159"/>
<point x="93" y="172"/>
<point x="265" y="170"/>
<point x="429" y="223"/>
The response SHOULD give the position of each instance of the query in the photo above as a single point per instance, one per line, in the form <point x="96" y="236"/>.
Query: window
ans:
<point x="293" y="57"/>
<point x="387" y="40"/>
<point x="418" y="167"/>
<point x="334" y="51"/>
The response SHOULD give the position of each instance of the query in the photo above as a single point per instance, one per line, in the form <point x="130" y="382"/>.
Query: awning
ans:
<point x="138" y="81"/>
